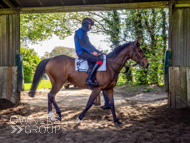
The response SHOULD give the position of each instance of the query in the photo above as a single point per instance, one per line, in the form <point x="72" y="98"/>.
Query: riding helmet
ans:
<point x="87" y="21"/>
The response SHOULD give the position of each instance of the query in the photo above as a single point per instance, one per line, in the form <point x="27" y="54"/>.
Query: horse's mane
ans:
<point x="117" y="50"/>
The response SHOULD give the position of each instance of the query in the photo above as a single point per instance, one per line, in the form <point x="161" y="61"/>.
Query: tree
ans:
<point x="60" y="51"/>
<point x="30" y="62"/>
<point x="35" y="28"/>
<point x="108" y="23"/>
<point x="151" y="26"/>
<point x="112" y="22"/>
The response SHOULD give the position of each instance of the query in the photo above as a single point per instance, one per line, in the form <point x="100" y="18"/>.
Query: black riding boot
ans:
<point x="89" y="79"/>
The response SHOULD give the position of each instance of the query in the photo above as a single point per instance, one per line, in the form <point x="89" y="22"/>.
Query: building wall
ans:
<point x="9" y="48"/>
<point x="179" y="72"/>
<point x="180" y="47"/>
<point x="9" y="39"/>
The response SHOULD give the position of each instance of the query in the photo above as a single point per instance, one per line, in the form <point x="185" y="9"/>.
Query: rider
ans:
<point x="86" y="50"/>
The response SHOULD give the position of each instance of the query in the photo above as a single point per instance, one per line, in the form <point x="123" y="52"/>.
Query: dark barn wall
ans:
<point x="9" y="47"/>
<point x="180" y="37"/>
<point x="179" y="72"/>
<point x="9" y="39"/>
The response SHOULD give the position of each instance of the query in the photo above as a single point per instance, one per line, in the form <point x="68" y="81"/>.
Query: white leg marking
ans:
<point x="51" y="116"/>
<point x="78" y="121"/>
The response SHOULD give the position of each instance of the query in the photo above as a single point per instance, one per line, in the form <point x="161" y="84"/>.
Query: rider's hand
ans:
<point x="95" y="53"/>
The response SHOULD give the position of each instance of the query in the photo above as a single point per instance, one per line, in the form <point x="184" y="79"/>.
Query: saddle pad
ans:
<point x="82" y="65"/>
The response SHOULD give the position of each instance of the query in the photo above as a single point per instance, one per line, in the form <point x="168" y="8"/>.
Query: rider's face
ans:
<point x="89" y="26"/>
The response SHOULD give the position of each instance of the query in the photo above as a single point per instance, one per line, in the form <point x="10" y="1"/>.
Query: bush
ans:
<point x="30" y="62"/>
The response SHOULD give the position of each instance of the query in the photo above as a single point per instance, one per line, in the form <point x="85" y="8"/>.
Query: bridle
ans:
<point x="128" y="66"/>
<point x="139" y="59"/>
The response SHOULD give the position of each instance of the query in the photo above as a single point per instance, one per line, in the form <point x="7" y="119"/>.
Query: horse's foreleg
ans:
<point x="111" y="101"/>
<point x="91" y="99"/>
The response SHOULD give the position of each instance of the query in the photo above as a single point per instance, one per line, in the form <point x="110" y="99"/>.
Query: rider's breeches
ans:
<point x="91" y="58"/>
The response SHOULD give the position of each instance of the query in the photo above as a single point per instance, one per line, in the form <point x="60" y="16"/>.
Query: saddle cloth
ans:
<point x="82" y="65"/>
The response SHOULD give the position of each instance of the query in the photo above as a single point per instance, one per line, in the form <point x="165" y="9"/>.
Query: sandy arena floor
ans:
<point x="144" y="121"/>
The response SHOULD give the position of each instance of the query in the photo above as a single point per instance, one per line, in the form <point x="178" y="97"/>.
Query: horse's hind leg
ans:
<point x="51" y="99"/>
<point x="91" y="99"/>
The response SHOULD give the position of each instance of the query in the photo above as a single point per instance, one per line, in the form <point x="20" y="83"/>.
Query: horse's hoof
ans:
<point x="119" y="123"/>
<point x="51" y="119"/>
<point x="59" y="119"/>
<point x="50" y="116"/>
<point x="59" y="116"/>
<point x="78" y="122"/>
<point x="31" y="94"/>
<point x="105" y="107"/>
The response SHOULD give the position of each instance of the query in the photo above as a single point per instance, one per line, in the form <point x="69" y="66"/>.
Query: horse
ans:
<point x="62" y="68"/>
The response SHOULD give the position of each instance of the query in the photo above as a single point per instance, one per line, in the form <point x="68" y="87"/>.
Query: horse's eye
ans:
<point x="140" y="51"/>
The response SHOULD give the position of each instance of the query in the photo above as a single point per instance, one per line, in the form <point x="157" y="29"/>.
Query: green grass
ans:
<point x="42" y="84"/>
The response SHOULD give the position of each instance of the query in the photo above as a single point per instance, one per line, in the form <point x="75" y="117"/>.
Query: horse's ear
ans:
<point x="137" y="41"/>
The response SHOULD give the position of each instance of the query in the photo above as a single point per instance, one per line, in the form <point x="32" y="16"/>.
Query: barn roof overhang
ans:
<point x="48" y="6"/>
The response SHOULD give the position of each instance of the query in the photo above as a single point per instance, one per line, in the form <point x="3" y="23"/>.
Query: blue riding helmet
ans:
<point x="87" y="21"/>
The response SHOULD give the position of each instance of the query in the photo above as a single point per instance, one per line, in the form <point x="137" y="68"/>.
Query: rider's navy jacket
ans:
<point x="82" y="43"/>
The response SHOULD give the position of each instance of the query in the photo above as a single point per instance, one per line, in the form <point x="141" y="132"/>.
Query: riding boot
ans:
<point x="89" y="79"/>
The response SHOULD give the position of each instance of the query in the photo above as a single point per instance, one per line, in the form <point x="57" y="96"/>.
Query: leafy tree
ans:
<point x="60" y="51"/>
<point x="35" y="28"/>
<point x="112" y="24"/>
<point x="38" y="27"/>
<point x="30" y="62"/>
<point x="108" y="23"/>
<point x="151" y="25"/>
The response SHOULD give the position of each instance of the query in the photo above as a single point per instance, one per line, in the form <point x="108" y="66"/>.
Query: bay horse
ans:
<point x="62" y="68"/>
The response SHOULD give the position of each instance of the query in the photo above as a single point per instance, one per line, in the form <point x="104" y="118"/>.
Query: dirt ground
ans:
<point x="143" y="121"/>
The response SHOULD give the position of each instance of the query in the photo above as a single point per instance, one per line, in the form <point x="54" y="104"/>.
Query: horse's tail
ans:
<point x="40" y="70"/>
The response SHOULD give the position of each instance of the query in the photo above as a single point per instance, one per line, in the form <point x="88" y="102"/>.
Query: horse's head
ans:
<point x="138" y="55"/>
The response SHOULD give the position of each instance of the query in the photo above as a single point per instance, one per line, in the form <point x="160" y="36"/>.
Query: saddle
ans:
<point x="82" y="65"/>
